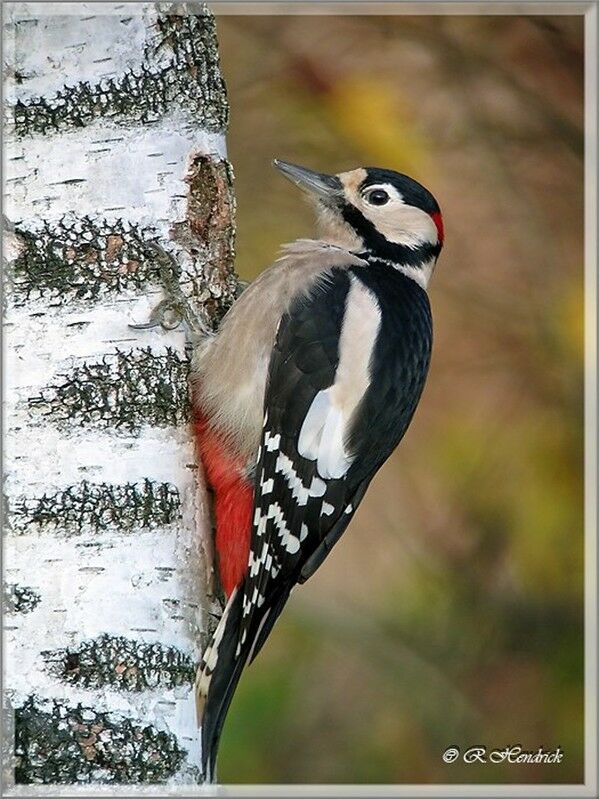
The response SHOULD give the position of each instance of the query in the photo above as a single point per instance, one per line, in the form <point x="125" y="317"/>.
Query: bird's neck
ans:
<point x="417" y="263"/>
<point x="415" y="259"/>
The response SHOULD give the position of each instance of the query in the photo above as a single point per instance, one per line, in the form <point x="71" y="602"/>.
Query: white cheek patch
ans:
<point x="326" y="425"/>
<point x="400" y="223"/>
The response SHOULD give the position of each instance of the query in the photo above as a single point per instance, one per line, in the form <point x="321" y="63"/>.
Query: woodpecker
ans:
<point x="306" y="389"/>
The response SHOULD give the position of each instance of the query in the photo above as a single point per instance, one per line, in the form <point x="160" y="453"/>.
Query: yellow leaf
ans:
<point x="372" y="116"/>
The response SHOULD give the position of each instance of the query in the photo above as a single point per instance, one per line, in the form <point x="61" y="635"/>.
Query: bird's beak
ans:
<point x="325" y="187"/>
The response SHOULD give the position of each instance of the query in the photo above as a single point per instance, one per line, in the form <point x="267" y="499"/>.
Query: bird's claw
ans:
<point x="166" y="314"/>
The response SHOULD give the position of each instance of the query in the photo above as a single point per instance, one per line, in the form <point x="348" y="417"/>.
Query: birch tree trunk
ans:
<point x="115" y="142"/>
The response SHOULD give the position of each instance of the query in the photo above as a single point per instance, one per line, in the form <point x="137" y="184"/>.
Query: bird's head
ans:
<point x="383" y="213"/>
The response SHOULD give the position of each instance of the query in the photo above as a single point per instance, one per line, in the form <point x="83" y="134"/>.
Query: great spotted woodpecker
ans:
<point x="305" y="390"/>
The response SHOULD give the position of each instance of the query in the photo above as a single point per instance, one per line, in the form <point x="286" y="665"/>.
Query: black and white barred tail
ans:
<point x="217" y="678"/>
<point x="222" y="665"/>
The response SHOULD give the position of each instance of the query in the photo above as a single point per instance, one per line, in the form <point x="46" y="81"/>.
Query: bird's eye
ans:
<point x="377" y="197"/>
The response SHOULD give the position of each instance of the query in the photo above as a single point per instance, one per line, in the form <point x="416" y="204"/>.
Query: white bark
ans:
<point x="115" y="138"/>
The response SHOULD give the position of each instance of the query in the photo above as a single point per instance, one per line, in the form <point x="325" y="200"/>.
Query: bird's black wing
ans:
<point x="299" y="513"/>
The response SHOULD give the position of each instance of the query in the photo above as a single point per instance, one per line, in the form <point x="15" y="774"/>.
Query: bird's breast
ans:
<point x="230" y="369"/>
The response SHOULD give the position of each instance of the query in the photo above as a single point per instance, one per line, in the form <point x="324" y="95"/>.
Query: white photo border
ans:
<point x="590" y="786"/>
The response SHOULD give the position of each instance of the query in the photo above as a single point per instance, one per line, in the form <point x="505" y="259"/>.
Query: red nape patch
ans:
<point x="233" y="504"/>
<point x="438" y="220"/>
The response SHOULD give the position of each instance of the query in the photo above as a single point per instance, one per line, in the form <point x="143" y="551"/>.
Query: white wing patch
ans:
<point x="288" y="540"/>
<point x="271" y="442"/>
<point x="311" y="432"/>
<point x="266" y="486"/>
<point x="298" y="490"/>
<point x="326" y="425"/>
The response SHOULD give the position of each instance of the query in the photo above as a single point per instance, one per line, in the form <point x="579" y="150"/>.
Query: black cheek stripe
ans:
<point x="376" y="243"/>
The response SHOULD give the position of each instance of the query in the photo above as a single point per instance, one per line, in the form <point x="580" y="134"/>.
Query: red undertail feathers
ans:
<point x="233" y="504"/>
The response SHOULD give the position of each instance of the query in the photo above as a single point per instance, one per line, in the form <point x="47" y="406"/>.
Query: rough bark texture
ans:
<point x="115" y="143"/>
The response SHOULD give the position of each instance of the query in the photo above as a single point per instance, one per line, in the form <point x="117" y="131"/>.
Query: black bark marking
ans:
<point x="121" y="663"/>
<point x="20" y="598"/>
<point x="82" y="259"/>
<point x="120" y="392"/>
<point x="95" y="507"/>
<point x="55" y="743"/>
<point x="190" y="79"/>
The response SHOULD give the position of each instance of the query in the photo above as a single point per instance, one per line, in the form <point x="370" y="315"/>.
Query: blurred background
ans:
<point x="451" y="612"/>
